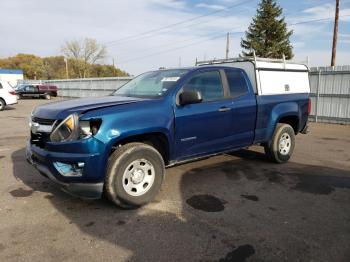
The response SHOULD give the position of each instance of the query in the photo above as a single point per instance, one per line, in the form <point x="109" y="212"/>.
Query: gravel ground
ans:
<point x="235" y="207"/>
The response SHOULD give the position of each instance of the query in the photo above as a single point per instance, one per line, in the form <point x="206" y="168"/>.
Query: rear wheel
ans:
<point x="2" y="104"/>
<point x="281" y="146"/>
<point x="135" y="174"/>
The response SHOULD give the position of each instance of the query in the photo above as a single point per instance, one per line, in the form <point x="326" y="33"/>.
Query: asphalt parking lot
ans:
<point x="235" y="207"/>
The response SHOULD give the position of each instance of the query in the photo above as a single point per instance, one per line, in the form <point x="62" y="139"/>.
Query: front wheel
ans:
<point x="281" y="146"/>
<point x="47" y="96"/>
<point x="135" y="174"/>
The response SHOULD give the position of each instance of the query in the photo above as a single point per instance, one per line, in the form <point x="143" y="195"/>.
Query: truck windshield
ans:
<point x="151" y="84"/>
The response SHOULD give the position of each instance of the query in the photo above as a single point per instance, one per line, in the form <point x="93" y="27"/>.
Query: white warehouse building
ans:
<point x="12" y="76"/>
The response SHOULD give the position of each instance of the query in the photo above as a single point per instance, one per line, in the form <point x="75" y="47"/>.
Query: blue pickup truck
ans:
<point x="120" y="144"/>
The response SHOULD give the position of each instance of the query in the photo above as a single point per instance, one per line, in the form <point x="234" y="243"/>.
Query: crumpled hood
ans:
<point x="61" y="109"/>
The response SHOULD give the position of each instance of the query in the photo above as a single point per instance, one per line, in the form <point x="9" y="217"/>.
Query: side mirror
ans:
<point x="190" y="97"/>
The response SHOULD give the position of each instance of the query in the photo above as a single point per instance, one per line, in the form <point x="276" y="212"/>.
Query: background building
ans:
<point x="11" y="75"/>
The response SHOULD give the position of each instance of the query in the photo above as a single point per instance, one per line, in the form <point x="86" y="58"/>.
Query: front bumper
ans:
<point x="89" y="190"/>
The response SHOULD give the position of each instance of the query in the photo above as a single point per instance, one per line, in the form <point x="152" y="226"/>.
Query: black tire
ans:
<point x="47" y="96"/>
<point x="118" y="163"/>
<point x="18" y="97"/>
<point x="272" y="148"/>
<point x="2" y="104"/>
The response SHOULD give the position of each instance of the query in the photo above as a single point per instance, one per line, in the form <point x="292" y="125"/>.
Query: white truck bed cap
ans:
<point x="269" y="76"/>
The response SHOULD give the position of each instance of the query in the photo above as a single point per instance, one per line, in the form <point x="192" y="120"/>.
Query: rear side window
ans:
<point x="208" y="84"/>
<point x="237" y="82"/>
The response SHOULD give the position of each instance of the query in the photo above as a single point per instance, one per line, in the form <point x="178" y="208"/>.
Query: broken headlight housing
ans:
<point x="71" y="128"/>
<point x="89" y="127"/>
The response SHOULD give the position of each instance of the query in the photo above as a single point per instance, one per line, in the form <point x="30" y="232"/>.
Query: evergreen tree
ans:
<point x="268" y="35"/>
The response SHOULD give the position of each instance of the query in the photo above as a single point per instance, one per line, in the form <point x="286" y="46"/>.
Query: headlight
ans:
<point x="72" y="128"/>
<point x="67" y="130"/>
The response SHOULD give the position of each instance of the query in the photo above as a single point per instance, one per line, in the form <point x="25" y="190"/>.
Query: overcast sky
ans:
<point x="129" y="29"/>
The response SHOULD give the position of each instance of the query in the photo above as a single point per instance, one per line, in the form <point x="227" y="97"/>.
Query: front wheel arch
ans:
<point x="118" y="165"/>
<point x="158" y="140"/>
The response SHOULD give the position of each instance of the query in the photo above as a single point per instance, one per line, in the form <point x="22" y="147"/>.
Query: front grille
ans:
<point x="43" y="121"/>
<point x="39" y="139"/>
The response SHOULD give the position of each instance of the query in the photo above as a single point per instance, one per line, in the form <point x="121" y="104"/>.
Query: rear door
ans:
<point x="204" y="128"/>
<point x="243" y="108"/>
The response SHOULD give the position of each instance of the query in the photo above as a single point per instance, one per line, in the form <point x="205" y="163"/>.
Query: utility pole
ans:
<point x="66" y="61"/>
<point x="113" y="67"/>
<point x="227" y="45"/>
<point x="335" y="33"/>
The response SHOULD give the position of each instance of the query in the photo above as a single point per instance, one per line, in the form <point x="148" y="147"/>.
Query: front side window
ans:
<point x="208" y="84"/>
<point x="237" y="82"/>
<point x="152" y="84"/>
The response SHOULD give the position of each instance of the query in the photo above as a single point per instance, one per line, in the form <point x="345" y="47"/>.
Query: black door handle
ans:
<point x="224" y="109"/>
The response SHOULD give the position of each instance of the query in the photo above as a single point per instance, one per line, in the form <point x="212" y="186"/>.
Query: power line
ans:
<point x="220" y="35"/>
<point x="186" y="26"/>
<point x="214" y="37"/>
<point x="172" y="43"/>
<point x="314" y="20"/>
<point x="150" y="33"/>
<point x="177" y="48"/>
<point x="179" y="42"/>
<point x="175" y="24"/>
<point x="185" y="21"/>
<point x="170" y="30"/>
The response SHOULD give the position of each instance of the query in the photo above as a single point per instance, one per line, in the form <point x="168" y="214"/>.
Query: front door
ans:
<point x="203" y="128"/>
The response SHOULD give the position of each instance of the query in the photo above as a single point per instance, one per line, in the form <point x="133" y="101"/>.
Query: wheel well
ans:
<point x="157" y="140"/>
<point x="293" y="121"/>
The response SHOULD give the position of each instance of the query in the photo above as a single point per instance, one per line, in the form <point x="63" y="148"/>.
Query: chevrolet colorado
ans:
<point x="120" y="144"/>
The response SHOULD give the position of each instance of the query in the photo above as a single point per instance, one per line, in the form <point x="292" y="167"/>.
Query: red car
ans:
<point x="39" y="91"/>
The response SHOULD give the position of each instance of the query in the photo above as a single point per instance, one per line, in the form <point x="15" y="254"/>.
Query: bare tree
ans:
<point x="84" y="53"/>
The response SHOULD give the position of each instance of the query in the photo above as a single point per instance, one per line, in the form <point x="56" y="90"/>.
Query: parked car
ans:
<point x="121" y="144"/>
<point x="7" y="95"/>
<point x="36" y="91"/>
